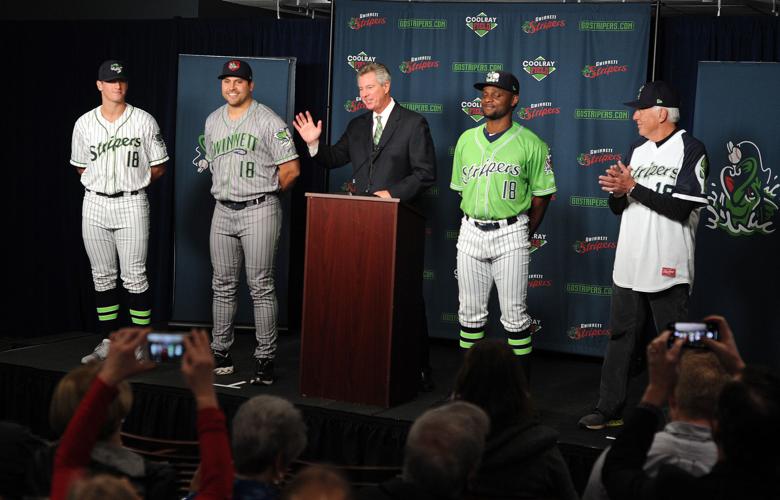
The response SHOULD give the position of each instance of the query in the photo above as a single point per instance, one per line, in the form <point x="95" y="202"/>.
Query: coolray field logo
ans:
<point x="540" y="68"/>
<point x="600" y="114"/>
<point x="449" y="317"/>
<point x="542" y="23"/>
<point x="538" y="280"/>
<point x="588" y="201"/>
<point x="538" y="241"/>
<point x="602" y="155"/>
<point x="422" y="24"/>
<point x="586" y="331"/>
<point x="418" y="63"/>
<point x="538" y="110"/>
<point x="535" y="326"/>
<point x="429" y="274"/>
<point x="588" y="25"/>
<point x="473" y="109"/>
<point x="366" y="20"/>
<point x="424" y="107"/>
<point x="359" y="60"/>
<point x="353" y="105"/>
<point x="476" y="67"/>
<point x="594" y="244"/>
<point x="602" y="68"/>
<point x="589" y="289"/>
<point x="481" y="24"/>
<point x="746" y="201"/>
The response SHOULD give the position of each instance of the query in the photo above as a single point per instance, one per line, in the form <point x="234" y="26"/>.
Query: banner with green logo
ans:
<point x="576" y="64"/>
<point x="738" y="242"/>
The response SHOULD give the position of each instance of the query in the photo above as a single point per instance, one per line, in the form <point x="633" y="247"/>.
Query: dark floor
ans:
<point x="564" y="387"/>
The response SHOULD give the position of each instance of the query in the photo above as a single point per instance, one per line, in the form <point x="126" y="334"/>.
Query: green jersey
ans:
<point x="498" y="179"/>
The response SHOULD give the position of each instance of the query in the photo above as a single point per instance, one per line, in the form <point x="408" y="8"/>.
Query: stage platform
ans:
<point x="563" y="387"/>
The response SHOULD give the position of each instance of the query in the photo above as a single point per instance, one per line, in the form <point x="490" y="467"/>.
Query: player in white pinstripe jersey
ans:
<point x="252" y="158"/>
<point x="504" y="173"/>
<point x="118" y="151"/>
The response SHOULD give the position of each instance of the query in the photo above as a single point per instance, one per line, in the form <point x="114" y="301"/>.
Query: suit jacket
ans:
<point x="403" y="163"/>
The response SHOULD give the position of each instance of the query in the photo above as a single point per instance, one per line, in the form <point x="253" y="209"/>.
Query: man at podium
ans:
<point x="391" y="152"/>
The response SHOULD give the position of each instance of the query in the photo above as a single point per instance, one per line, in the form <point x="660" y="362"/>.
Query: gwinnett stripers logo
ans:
<point x="594" y="244"/>
<point x="473" y="109"/>
<point x="538" y="110"/>
<point x="418" y="63"/>
<point x="602" y="68"/>
<point x="283" y="137"/>
<point x="234" y="65"/>
<point x="366" y="20"/>
<point x="116" y="67"/>
<point x="594" y="156"/>
<point x="540" y="68"/>
<point x="586" y="331"/>
<point x="97" y="150"/>
<point x="359" y="60"/>
<point x="538" y="241"/>
<point x="543" y="23"/>
<point x="538" y="280"/>
<point x="481" y="24"/>
<point x="353" y="105"/>
<point x="746" y="201"/>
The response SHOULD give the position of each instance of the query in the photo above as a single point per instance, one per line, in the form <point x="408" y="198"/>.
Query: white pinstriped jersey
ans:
<point x="244" y="154"/>
<point x="117" y="156"/>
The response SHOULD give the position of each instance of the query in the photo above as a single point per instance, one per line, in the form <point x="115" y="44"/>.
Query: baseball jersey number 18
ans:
<point x="132" y="159"/>
<point x="247" y="169"/>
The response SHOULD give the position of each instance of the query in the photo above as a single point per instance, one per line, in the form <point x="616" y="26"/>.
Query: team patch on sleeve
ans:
<point x="283" y="137"/>
<point x="548" y="168"/>
<point x="158" y="139"/>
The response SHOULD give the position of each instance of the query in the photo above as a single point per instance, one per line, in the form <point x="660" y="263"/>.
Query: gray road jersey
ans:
<point x="117" y="155"/>
<point x="244" y="153"/>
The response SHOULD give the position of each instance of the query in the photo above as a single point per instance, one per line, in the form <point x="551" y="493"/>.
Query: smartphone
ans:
<point x="693" y="333"/>
<point x="165" y="347"/>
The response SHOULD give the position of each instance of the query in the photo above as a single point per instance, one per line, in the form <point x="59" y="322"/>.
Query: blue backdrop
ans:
<point x="576" y="65"/>
<point x="737" y="271"/>
<point x="199" y="94"/>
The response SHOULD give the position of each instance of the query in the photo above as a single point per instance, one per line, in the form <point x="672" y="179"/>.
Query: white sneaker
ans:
<point x="99" y="354"/>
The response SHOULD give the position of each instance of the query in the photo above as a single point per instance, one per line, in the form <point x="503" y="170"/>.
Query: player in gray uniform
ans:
<point x="252" y="158"/>
<point x="118" y="151"/>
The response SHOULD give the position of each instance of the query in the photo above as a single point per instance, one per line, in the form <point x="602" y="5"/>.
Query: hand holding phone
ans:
<point x="165" y="347"/>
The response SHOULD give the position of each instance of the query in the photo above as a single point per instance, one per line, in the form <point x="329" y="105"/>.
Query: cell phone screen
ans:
<point x="693" y="333"/>
<point x="165" y="347"/>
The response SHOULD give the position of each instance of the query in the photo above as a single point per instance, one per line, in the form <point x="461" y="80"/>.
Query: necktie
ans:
<point x="378" y="130"/>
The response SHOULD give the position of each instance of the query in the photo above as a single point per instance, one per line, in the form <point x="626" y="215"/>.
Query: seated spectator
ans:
<point x="442" y="452"/>
<point x="745" y="430"/>
<point x="318" y="482"/>
<point x="103" y="486"/>
<point x="521" y="458"/>
<point x="95" y="409"/>
<point x="686" y="441"/>
<point x="268" y="434"/>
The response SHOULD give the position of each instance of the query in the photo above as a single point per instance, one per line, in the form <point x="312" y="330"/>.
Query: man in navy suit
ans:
<point x="391" y="152"/>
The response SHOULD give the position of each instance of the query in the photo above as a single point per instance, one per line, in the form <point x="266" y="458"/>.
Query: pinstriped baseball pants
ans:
<point x="484" y="257"/>
<point x="114" y="227"/>
<point x="250" y="237"/>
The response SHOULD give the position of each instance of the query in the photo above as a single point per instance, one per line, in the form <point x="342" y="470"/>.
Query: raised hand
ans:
<point x="121" y="362"/>
<point x="725" y="348"/>
<point x="306" y="128"/>
<point x="197" y="366"/>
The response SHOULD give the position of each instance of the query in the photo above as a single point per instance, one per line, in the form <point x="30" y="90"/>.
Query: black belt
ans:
<point x="115" y="195"/>
<point x="240" y="205"/>
<point x="492" y="226"/>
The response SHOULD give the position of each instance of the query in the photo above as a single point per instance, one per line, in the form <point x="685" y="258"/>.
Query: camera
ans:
<point x="165" y="347"/>
<point x="693" y="333"/>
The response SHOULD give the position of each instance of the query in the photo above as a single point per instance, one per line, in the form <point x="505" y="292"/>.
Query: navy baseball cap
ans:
<point x="237" y="68"/>
<point x="500" y="79"/>
<point x="656" y="93"/>
<point x="112" y="70"/>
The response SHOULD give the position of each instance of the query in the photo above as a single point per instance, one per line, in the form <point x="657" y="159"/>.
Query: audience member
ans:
<point x="521" y="458"/>
<point x="442" y="452"/>
<point x="95" y="409"/>
<point x="745" y="430"/>
<point x="686" y="441"/>
<point x="318" y="482"/>
<point x="103" y="486"/>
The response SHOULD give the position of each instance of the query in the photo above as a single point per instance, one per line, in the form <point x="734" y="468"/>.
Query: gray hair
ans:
<point x="264" y="428"/>
<point x="672" y="114"/>
<point x="381" y="71"/>
<point x="444" y="448"/>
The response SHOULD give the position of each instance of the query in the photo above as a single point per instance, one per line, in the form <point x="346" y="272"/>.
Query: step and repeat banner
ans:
<point x="199" y="94"/>
<point x="576" y="64"/>
<point x="738" y="242"/>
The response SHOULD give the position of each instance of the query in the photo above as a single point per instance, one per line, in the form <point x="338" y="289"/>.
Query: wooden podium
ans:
<point x="362" y="276"/>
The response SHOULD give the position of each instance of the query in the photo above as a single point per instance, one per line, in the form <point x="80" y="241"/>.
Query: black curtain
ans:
<point x="684" y="41"/>
<point x="50" y="69"/>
